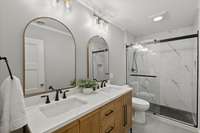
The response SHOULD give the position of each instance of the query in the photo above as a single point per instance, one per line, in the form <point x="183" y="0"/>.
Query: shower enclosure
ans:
<point x="165" y="73"/>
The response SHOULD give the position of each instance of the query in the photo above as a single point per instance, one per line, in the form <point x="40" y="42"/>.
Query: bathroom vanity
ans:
<point x="106" y="110"/>
<point x="114" y="117"/>
<point x="109" y="110"/>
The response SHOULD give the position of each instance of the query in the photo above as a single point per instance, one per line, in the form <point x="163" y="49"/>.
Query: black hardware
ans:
<point x="64" y="94"/>
<point x="197" y="104"/>
<point x="109" y="130"/>
<point x="131" y="130"/>
<point x="51" y="88"/>
<point x="125" y="115"/>
<point x="170" y="39"/>
<point x="124" y="124"/>
<point x="103" y="83"/>
<point x="98" y="86"/>
<point x="99" y="51"/>
<point x="47" y="98"/>
<point x="57" y="94"/>
<point x="109" y="112"/>
<point x="8" y="67"/>
<point x="177" y="38"/>
<point x="142" y="75"/>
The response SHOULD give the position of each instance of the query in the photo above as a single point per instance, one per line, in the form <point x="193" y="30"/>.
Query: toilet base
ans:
<point x="140" y="117"/>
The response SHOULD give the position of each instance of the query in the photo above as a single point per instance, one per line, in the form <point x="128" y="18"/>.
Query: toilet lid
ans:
<point x="139" y="101"/>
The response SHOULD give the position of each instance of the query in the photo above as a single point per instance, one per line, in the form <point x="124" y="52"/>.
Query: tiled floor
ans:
<point x="156" y="126"/>
<point x="177" y="114"/>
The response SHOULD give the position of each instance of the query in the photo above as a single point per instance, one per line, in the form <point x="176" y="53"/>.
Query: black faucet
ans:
<point x="51" y="88"/>
<point x="103" y="83"/>
<point x="64" y="94"/>
<point x="57" y="94"/>
<point x="47" y="98"/>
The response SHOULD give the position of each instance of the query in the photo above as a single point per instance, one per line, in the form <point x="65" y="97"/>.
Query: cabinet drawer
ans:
<point x="107" y="111"/>
<point x="108" y="126"/>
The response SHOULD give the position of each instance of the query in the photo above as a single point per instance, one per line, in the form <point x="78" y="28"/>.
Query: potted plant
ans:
<point x="87" y="86"/>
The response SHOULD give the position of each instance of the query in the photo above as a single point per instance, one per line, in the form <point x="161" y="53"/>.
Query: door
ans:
<point x="34" y="67"/>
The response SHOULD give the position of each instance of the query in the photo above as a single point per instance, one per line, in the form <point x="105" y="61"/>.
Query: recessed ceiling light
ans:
<point x="158" y="18"/>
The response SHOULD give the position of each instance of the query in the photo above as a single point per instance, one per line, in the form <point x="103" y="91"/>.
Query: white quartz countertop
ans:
<point x="39" y="123"/>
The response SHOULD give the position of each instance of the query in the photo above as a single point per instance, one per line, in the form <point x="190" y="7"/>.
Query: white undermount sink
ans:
<point x="61" y="107"/>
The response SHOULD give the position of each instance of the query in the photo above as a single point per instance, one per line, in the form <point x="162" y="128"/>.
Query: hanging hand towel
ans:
<point x="12" y="107"/>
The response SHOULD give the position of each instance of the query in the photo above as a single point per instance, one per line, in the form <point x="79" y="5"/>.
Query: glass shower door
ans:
<point x="165" y="74"/>
<point x="143" y="73"/>
<point x="178" y="80"/>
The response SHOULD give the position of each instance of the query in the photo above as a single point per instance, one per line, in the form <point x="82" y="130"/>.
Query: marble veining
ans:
<point x="175" y="65"/>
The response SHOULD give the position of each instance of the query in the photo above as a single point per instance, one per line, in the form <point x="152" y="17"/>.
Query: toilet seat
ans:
<point x="139" y="101"/>
<point x="140" y="104"/>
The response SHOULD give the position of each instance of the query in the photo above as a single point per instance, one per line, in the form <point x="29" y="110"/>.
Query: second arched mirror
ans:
<point x="98" y="59"/>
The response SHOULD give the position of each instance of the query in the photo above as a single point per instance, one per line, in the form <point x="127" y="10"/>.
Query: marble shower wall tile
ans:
<point x="174" y="64"/>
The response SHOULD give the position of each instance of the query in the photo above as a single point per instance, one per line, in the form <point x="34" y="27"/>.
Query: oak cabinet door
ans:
<point x="90" y="123"/>
<point x="127" y="109"/>
<point x="119" y="116"/>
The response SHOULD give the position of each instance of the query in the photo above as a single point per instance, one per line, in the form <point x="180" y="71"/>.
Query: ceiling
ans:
<point x="134" y="15"/>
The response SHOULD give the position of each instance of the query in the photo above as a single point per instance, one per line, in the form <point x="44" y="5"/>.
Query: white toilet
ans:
<point x="140" y="106"/>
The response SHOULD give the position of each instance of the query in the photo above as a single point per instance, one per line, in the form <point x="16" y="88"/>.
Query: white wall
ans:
<point x="16" y="14"/>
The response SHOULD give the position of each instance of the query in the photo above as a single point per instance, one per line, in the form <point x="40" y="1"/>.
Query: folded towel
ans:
<point x="12" y="107"/>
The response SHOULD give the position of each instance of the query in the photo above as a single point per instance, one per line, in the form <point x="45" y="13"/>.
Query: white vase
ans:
<point x="87" y="90"/>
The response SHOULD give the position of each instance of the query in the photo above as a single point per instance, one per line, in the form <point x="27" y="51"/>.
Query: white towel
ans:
<point x="12" y="107"/>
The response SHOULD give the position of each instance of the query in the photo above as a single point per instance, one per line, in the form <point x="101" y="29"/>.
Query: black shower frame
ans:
<point x="176" y="39"/>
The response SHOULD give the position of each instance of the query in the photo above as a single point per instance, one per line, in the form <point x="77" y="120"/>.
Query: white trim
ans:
<point x="51" y="29"/>
<point x="89" y="6"/>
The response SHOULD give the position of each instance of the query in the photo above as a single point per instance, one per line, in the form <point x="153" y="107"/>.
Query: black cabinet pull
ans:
<point x="109" y="130"/>
<point x="126" y="118"/>
<point x="125" y="115"/>
<point x="109" y="112"/>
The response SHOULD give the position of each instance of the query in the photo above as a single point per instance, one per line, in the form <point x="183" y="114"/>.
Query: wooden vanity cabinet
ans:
<point x="114" y="117"/>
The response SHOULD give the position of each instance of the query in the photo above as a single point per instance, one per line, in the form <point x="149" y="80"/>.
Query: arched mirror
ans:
<point x="49" y="56"/>
<point x="98" y="59"/>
